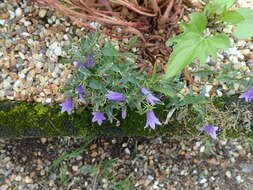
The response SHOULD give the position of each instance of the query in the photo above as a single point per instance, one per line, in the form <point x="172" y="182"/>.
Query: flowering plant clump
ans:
<point x="107" y="81"/>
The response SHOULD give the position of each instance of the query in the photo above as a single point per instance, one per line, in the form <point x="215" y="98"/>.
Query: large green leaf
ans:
<point x="197" y="25"/>
<point x="194" y="46"/>
<point x="217" y="7"/>
<point x="244" y="29"/>
<point x="233" y="17"/>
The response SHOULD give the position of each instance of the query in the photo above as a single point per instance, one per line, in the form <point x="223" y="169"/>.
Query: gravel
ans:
<point x="154" y="163"/>
<point x="32" y="40"/>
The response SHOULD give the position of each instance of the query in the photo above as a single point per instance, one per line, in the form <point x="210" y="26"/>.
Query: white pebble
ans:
<point x="11" y="15"/>
<point x="2" y="21"/>
<point x="219" y="93"/>
<point x="27" y="23"/>
<point x="22" y="75"/>
<point x="208" y="89"/>
<point x="241" y="43"/>
<point x="239" y="179"/>
<point x="127" y="151"/>
<point x="228" y="174"/>
<point x="48" y="100"/>
<point x="58" y="51"/>
<point x="203" y="181"/>
<point x="42" y="13"/>
<point x="18" y="178"/>
<point x="18" y="12"/>
<point x="28" y="179"/>
<point x="202" y="149"/>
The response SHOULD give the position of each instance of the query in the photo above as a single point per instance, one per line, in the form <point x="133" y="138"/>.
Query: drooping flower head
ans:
<point x="124" y="113"/>
<point x="248" y="94"/>
<point x="89" y="61"/>
<point x="152" y="120"/>
<point x="80" y="91"/>
<point x="98" y="117"/>
<point x="211" y="130"/>
<point x="115" y="96"/>
<point x="67" y="105"/>
<point x="152" y="99"/>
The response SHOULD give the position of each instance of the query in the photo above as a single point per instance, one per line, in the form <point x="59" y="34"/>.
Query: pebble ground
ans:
<point x="154" y="163"/>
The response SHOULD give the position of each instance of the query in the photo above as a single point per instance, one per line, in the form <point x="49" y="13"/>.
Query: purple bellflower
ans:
<point x="152" y="99"/>
<point x="152" y="120"/>
<point x="89" y="61"/>
<point x="124" y="113"/>
<point x="67" y="105"/>
<point x="248" y="95"/>
<point x="211" y="130"/>
<point x="115" y="96"/>
<point x="80" y="91"/>
<point x="98" y="117"/>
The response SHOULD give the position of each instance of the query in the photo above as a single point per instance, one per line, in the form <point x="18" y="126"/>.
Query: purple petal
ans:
<point x="152" y="120"/>
<point x="248" y="94"/>
<point x="211" y="130"/>
<point x="124" y="113"/>
<point x="144" y="91"/>
<point x="151" y="99"/>
<point x="80" y="91"/>
<point x="89" y="61"/>
<point x="98" y="117"/>
<point x="115" y="96"/>
<point x="67" y="105"/>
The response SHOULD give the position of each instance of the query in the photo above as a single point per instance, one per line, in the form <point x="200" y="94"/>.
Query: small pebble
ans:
<point x="18" y="12"/>
<point x="228" y="174"/>
<point x="42" y="13"/>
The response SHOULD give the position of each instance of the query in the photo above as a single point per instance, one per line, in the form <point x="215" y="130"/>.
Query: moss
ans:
<point x="24" y="119"/>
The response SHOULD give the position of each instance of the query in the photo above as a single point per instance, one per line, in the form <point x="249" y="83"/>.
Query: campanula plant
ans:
<point x="106" y="81"/>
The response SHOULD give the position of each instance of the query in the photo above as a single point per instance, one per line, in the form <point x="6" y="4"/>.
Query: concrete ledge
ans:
<point x="28" y="119"/>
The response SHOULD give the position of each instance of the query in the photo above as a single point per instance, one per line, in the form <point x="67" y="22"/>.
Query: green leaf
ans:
<point x="197" y="25"/>
<point x="244" y="29"/>
<point x="217" y="7"/>
<point x="194" y="46"/>
<point x="232" y="17"/>
<point x="176" y="38"/>
<point x="166" y="91"/>
<point x="94" y="84"/>
<point x="84" y="71"/>
<point x="108" y="49"/>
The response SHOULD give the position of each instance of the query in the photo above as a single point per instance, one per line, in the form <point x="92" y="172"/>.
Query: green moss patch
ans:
<point x="26" y="119"/>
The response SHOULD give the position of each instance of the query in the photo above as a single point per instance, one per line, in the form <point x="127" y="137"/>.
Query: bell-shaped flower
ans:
<point x="80" y="91"/>
<point x="248" y="94"/>
<point x="152" y="120"/>
<point x="67" y="105"/>
<point x="211" y="130"/>
<point x="98" y="117"/>
<point x="115" y="96"/>
<point x="152" y="99"/>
